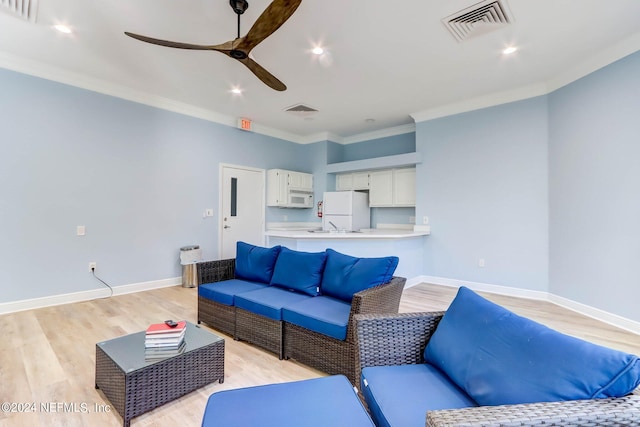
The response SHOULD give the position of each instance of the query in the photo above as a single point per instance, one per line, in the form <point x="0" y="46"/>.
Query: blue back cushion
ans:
<point x="300" y="271"/>
<point x="500" y="358"/>
<point x="345" y="275"/>
<point x="255" y="263"/>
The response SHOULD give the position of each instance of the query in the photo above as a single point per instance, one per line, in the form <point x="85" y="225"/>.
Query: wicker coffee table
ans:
<point x="134" y="385"/>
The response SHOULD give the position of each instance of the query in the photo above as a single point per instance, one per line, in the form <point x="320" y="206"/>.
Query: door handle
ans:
<point x="226" y="226"/>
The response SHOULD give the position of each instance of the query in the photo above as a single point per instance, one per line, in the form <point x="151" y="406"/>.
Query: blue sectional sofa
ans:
<point x="298" y="305"/>
<point x="479" y="364"/>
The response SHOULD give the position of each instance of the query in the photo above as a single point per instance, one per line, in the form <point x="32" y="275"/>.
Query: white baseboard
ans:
<point x="414" y="281"/>
<point x="34" y="303"/>
<point x="595" y="313"/>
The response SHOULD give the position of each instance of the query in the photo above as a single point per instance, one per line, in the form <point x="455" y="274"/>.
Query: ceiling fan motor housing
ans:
<point x="239" y="6"/>
<point x="237" y="54"/>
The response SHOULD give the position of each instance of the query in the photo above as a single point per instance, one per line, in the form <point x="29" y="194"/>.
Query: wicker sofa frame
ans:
<point x="290" y="341"/>
<point x="386" y="340"/>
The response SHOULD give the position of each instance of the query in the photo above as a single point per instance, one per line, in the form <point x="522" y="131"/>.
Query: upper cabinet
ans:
<point x="381" y="188"/>
<point x="404" y="187"/>
<point x="289" y="189"/>
<point x="299" y="181"/>
<point x="352" y="181"/>
<point x="387" y="187"/>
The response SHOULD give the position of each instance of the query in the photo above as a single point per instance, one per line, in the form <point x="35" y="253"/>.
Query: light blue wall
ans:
<point x="380" y="147"/>
<point x="483" y="185"/>
<point x="545" y="190"/>
<point x="137" y="177"/>
<point x="595" y="189"/>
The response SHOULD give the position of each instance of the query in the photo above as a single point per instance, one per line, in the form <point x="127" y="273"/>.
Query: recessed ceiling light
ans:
<point x="509" y="50"/>
<point x="62" y="28"/>
<point x="236" y="91"/>
<point x="317" y="50"/>
<point x="370" y="120"/>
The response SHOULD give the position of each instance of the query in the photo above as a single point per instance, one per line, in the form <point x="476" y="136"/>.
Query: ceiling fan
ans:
<point x="267" y="23"/>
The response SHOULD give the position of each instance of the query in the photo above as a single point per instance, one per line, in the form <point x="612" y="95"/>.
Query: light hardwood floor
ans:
<point x="48" y="355"/>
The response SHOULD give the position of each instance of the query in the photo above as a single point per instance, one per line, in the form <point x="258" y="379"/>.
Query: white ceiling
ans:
<point x="387" y="60"/>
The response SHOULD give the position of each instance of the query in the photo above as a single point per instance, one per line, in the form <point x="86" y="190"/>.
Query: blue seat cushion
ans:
<point x="501" y="358"/>
<point x="224" y="292"/>
<point x="255" y="263"/>
<point x="318" y="402"/>
<point x="301" y="271"/>
<point x="400" y="396"/>
<point x="345" y="275"/>
<point x="323" y="314"/>
<point x="268" y="301"/>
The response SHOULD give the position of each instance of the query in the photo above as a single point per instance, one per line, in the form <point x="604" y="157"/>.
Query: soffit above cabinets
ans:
<point x="387" y="162"/>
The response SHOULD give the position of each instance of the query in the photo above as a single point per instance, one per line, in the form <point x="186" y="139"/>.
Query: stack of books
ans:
<point x="162" y="341"/>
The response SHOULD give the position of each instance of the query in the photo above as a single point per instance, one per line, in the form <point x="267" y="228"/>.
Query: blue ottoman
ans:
<point x="319" y="402"/>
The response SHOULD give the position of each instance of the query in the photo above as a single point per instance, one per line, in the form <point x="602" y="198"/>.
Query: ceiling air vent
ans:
<point x="23" y="9"/>
<point x="301" y="110"/>
<point x="478" y="19"/>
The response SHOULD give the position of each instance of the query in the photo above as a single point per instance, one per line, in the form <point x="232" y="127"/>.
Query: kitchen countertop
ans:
<point x="381" y="233"/>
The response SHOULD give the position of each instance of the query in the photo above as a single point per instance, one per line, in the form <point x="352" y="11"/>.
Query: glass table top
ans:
<point x="128" y="351"/>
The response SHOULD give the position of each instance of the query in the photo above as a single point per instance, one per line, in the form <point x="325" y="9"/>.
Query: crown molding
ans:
<point x="382" y="133"/>
<point x="320" y="137"/>
<point x="603" y="58"/>
<point x="38" y="69"/>
<point x="481" y="102"/>
<point x="600" y="60"/>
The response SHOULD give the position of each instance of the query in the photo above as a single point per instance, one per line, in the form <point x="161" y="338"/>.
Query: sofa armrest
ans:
<point x="595" y="412"/>
<point x="216" y="271"/>
<point x="397" y="339"/>
<point x="380" y="299"/>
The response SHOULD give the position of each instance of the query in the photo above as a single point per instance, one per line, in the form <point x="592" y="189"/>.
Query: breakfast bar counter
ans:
<point x="407" y="245"/>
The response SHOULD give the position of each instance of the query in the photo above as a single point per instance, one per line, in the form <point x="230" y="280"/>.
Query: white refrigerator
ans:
<point x="345" y="210"/>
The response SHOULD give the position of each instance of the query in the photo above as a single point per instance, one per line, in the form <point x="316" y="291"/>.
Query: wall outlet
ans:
<point x="425" y="220"/>
<point x="209" y="212"/>
<point x="481" y="262"/>
<point x="92" y="266"/>
<point x="81" y="230"/>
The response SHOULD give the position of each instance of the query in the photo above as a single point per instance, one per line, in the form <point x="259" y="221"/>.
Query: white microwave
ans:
<point x="299" y="199"/>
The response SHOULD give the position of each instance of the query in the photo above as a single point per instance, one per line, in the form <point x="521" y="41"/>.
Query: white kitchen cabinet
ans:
<point x="392" y="187"/>
<point x="352" y="181"/>
<point x="381" y="188"/>
<point x="289" y="189"/>
<point x="300" y="181"/>
<point x="360" y="181"/>
<point x="344" y="182"/>
<point x="404" y="187"/>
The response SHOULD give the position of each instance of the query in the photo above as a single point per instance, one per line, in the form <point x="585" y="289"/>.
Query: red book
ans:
<point x="162" y="328"/>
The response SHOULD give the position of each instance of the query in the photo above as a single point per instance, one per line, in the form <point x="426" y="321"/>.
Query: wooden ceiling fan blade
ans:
<point x="276" y="14"/>
<point x="177" y="45"/>
<point x="266" y="77"/>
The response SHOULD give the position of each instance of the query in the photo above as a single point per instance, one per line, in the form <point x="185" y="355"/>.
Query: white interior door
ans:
<point x="242" y="208"/>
